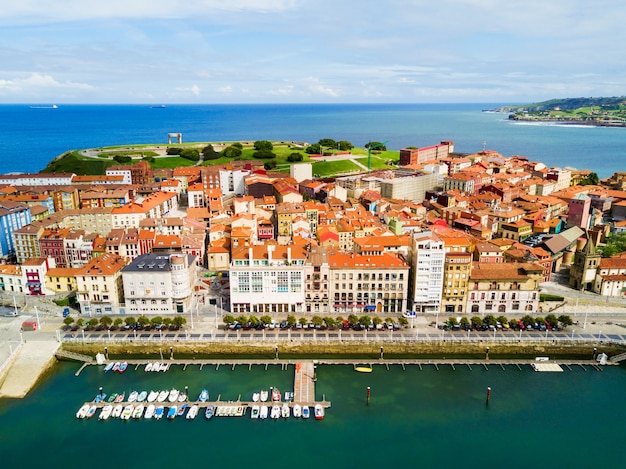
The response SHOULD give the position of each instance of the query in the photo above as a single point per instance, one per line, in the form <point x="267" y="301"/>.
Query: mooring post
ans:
<point x="187" y="392"/>
<point x="106" y="352"/>
<point x="276" y="353"/>
<point x="595" y="351"/>
<point x="487" y="354"/>
<point x="381" y="352"/>
<point x="171" y="353"/>
<point x="100" y="391"/>
<point x="368" y="395"/>
<point x="488" y="395"/>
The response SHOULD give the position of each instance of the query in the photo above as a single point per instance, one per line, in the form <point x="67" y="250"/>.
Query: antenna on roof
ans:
<point x="484" y="144"/>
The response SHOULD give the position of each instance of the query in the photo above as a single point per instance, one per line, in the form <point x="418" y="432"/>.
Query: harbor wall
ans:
<point x="371" y="350"/>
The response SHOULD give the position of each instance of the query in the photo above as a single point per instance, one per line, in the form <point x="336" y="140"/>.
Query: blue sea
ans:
<point x="416" y="418"/>
<point x="31" y="137"/>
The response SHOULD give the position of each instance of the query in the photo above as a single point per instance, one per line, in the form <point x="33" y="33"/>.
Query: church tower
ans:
<point x="583" y="272"/>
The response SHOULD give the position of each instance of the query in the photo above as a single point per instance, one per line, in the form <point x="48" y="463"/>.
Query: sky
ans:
<point x="310" y="51"/>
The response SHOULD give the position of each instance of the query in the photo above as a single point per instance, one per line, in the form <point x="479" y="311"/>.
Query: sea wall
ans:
<point x="371" y="350"/>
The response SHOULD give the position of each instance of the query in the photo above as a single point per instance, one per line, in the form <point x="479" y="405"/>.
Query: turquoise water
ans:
<point x="416" y="418"/>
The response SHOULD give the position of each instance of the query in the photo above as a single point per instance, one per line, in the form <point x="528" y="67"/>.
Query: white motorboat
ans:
<point x="204" y="396"/>
<point x="148" y="366"/>
<point x="319" y="412"/>
<point x="142" y="396"/>
<point x="171" y="413"/>
<point x="156" y="366"/>
<point x="106" y="412"/>
<point x="255" y="412"/>
<point x="138" y="411"/>
<point x="192" y="412"/>
<point x="173" y="397"/>
<point x="149" y="411"/>
<point x="305" y="411"/>
<point x="117" y="411"/>
<point x="127" y="412"/>
<point x="275" y="412"/>
<point x="158" y="413"/>
<point x="165" y="366"/>
<point x="82" y="412"/>
<point x="182" y="397"/>
<point x="133" y="396"/>
<point x="285" y="411"/>
<point x="92" y="411"/>
<point x="153" y="396"/>
<point x="297" y="410"/>
<point x="109" y="367"/>
<point x="120" y="398"/>
<point x="264" y="395"/>
<point x="256" y="396"/>
<point x="162" y="396"/>
<point x="263" y="412"/>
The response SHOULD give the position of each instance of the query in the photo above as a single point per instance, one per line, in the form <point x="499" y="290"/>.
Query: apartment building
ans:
<point x="99" y="285"/>
<point x="426" y="257"/>
<point x="160" y="284"/>
<point x="268" y="279"/>
<point x="368" y="284"/>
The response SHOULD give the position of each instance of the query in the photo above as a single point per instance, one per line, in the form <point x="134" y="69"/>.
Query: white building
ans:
<point x="160" y="284"/>
<point x="99" y="285"/>
<point x="427" y="258"/>
<point x="267" y="280"/>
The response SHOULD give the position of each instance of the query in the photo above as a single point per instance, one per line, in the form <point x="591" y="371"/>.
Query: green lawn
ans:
<point x="330" y="168"/>
<point x="171" y="162"/>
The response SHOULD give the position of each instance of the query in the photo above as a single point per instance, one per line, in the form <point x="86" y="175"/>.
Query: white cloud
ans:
<point x="195" y="90"/>
<point x="225" y="89"/>
<point x="37" y="82"/>
<point x="285" y="90"/>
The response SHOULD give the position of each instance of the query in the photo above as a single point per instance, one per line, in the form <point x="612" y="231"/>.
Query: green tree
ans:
<point x="93" y="322"/>
<point x="263" y="145"/>
<point x="80" y="322"/>
<point x="122" y="159"/>
<point x="167" y="322"/>
<point x="565" y="320"/>
<point x="130" y="320"/>
<point x="552" y="320"/>
<point x="314" y="149"/>
<point x="614" y="245"/>
<point x="106" y="321"/>
<point x="353" y="319"/>
<point x="143" y="320"/>
<point x="365" y="320"/>
<point x="254" y="321"/>
<point x="209" y="153"/>
<point x="173" y="150"/>
<point x="527" y="320"/>
<point x="295" y="157"/>
<point x="344" y="145"/>
<point x="404" y="322"/>
<point x="302" y="321"/>
<point x="452" y="321"/>
<point x="229" y="319"/>
<point x="376" y="146"/>
<point x="330" y="322"/>
<point x="476" y="321"/>
<point x="539" y="320"/>
<point x="464" y="321"/>
<point x="328" y="143"/>
<point x="118" y="323"/>
<point x="264" y="154"/>
<point x="490" y="320"/>
<point x="155" y="321"/>
<point x="291" y="320"/>
<point x="179" y="321"/>
<point x="502" y="320"/>
<point x="317" y="321"/>
<point x="241" y="319"/>
<point x="68" y="321"/>
<point x="237" y="145"/>
<point x="340" y="320"/>
<point x="269" y="165"/>
<point x="377" y="321"/>
<point x="231" y="152"/>
<point x="266" y="319"/>
<point x="190" y="154"/>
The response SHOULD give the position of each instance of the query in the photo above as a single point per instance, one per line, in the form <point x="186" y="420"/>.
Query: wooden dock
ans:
<point x="304" y="382"/>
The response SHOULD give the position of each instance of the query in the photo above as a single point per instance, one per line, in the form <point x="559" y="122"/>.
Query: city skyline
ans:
<point x="303" y="51"/>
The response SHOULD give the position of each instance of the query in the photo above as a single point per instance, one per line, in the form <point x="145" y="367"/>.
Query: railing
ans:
<point x="9" y="359"/>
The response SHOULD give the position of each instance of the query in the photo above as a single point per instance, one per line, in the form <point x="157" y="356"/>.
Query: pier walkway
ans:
<point x="304" y="382"/>
<point x="32" y="360"/>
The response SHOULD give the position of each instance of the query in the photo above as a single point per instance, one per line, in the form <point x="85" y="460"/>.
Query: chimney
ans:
<point x="250" y="256"/>
<point x="270" y="248"/>
<point x="289" y="255"/>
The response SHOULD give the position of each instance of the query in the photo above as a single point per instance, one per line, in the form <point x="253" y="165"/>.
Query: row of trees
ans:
<point x="317" y="321"/>
<point x="528" y="320"/>
<point x="328" y="144"/>
<point x="107" y="323"/>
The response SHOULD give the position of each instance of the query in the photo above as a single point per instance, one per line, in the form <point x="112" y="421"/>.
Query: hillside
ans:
<point x="607" y="112"/>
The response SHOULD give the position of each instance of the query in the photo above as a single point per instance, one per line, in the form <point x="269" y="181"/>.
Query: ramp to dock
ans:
<point x="32" y="360"/>
<point x="304" y="383"/>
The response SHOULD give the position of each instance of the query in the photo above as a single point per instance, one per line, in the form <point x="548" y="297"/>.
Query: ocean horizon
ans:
<point x="34" y="136"/>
